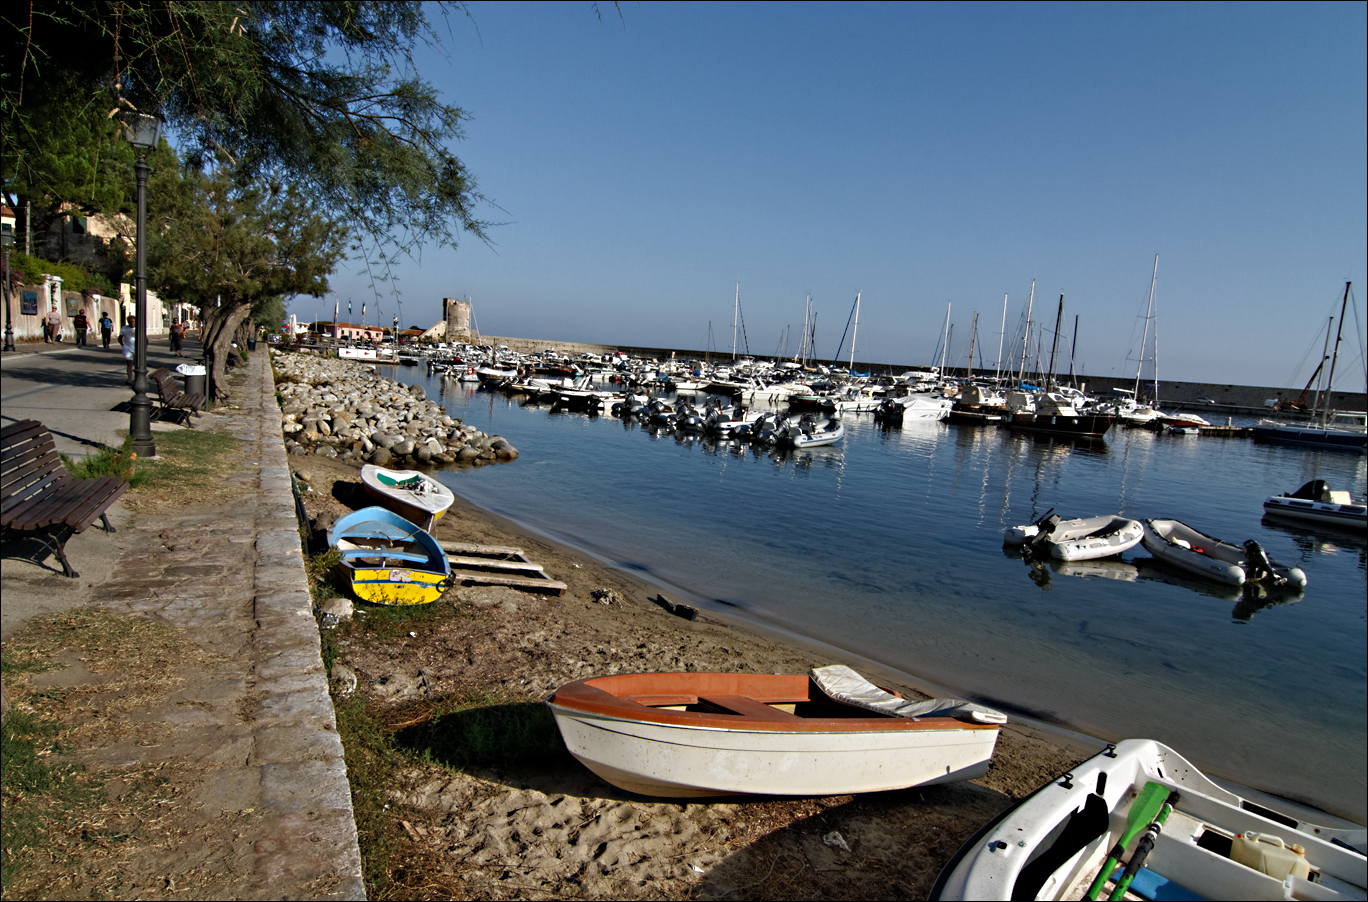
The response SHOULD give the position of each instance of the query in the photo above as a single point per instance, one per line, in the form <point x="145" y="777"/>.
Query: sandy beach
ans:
<point x="548" y="828"/>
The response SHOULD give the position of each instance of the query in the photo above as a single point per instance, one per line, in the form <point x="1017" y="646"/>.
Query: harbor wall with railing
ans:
<point x="1171" y="393"/>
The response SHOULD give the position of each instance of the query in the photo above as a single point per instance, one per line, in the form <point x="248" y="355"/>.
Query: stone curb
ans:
<point x="312" y="828"/>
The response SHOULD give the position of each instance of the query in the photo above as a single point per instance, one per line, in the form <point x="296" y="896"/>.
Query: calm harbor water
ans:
<point x="889" y="545"/>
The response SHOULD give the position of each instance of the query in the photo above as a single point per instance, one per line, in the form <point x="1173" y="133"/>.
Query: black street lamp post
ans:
<point x="7" y="239"/>
<point x="141" y="130"/>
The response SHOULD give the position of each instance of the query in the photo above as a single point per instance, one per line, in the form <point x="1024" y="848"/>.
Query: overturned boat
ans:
<point x="389" y="560"/>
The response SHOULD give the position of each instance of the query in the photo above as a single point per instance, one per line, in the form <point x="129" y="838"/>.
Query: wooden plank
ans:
<point x="492" y="563"/>
<point x="466" y="548"/>
<point x="30" y="470"/>
<point x="22" y="448"/>
<point x="23" y="430"/>
<point x="548" y="586"/>
<point x="747" y="707"/>
<point x="18" y="496"/>
<point x="111" y="488"/>
<point x="663" y="701"/>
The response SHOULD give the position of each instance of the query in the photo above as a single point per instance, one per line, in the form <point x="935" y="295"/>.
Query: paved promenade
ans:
<point x="250" y="740"/>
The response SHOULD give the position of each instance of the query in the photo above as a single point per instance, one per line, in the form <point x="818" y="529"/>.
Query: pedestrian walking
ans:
<point x="106" y="329"/>
<point x="54" y="325"/>
<point x="81" y="325"/>
<point x="177" y="337"/>
<point x="128" y="335"/>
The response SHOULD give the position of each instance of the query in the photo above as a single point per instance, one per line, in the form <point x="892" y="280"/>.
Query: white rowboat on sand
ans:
<point x="685" y="735"/>
<point x="412" y="495"/>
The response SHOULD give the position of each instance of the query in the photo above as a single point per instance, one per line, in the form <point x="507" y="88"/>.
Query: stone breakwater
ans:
<point x="344" y="410"/>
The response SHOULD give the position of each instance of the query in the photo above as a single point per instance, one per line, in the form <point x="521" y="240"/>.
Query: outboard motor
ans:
<point x="1258" y="566"/>
<point x="1046" y="526"/>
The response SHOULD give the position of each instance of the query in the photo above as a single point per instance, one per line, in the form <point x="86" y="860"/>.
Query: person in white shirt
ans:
<point x="127" y="336"/>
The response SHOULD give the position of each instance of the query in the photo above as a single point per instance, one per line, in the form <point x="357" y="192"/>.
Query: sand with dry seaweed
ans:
<point x="535" y="824"/>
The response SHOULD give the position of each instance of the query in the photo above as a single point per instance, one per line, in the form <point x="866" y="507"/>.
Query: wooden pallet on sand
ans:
<point x="498" y="565"/>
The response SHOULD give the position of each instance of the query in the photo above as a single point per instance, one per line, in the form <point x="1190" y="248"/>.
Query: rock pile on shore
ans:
<point x="337" y="408"/>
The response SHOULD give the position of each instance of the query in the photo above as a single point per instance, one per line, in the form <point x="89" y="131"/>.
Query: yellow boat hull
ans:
<point x="398" y="586"/>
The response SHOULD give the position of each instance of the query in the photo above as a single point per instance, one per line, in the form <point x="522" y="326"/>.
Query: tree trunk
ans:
<point x="220" y="325"/>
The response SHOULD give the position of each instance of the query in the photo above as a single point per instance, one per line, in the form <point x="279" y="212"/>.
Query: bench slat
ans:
<point x="13" y="500"/>
<point x="10" y="432"/>
<point x="96" y="503"/>
<point x="37" y="515"/>
<point x="31" y="470"/>
<point x="61" y="504"/>
<point x="25" y="449"/>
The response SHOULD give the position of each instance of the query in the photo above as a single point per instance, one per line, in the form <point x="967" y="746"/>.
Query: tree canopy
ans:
<point x="235" y="250"/>
<point x="322" y="95"/>
<point x="307" y="113"/>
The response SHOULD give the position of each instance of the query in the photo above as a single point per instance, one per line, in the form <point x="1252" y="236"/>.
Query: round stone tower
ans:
<point x="457" y="319"/>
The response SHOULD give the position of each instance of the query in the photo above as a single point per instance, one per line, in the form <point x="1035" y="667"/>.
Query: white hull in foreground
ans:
<point x="1053" y="844"/>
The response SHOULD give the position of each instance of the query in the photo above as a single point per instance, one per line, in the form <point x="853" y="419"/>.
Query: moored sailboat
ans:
<point x="1337" y="430"/>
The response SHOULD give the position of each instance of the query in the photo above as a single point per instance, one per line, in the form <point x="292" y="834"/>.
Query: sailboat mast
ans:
<point x="973" y="337"/>
<point x="1144" y="338"/>
<point x="1054" y="348"/>
<point x="855" y="332"/>
<point x="736" y="310"/>
<point x="1073" y="379"/>
<point x="1026" y="336"/>
<point x="1002" y="337"/>
<point x="1320" y="370"/>
<point x="945" y="344"/>
<point x="1334" y="358"/>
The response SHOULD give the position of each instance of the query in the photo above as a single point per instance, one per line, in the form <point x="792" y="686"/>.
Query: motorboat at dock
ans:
<point x="1315" y="502"/>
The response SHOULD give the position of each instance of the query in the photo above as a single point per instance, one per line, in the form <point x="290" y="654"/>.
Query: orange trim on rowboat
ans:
<point x="629" y="697"/>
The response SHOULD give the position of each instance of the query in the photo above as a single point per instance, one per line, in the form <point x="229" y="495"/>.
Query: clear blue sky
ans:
<point x="920" y="154"/>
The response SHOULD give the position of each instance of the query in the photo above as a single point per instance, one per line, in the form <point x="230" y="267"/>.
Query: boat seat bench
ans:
<point x="748" y="707"/>
<point x="362" y="553"/>
<point x="737" y="704"/>
<point x="38" y="497"/>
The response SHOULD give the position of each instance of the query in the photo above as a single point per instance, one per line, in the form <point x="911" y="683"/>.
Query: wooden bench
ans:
<point x="172" y="398"/>
<point x="39" y="497"/>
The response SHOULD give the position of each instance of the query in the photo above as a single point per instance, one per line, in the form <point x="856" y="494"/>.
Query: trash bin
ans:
<point x="251" y="344"/>
<point x="196" y="378"/>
